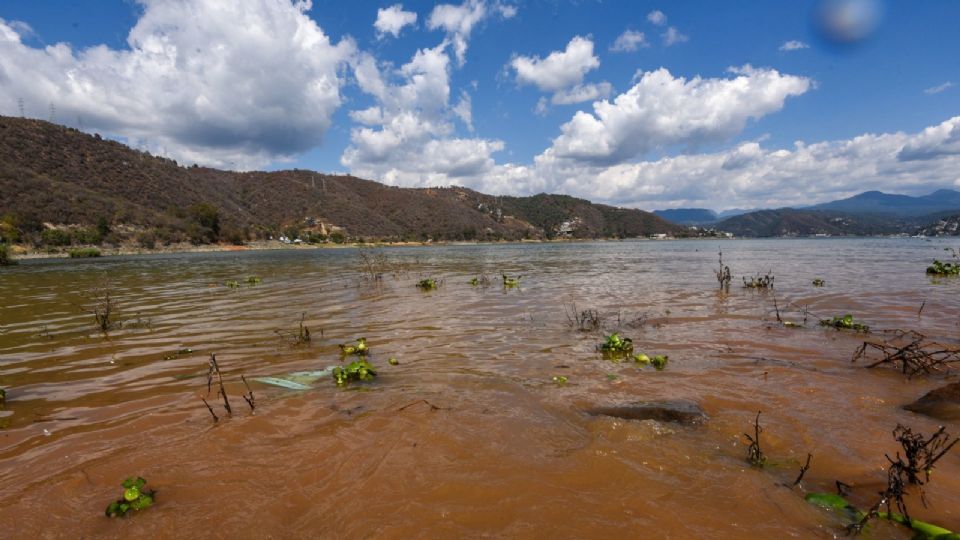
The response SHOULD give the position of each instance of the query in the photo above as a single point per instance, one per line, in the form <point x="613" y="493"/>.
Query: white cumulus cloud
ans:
<point x="192" y="82"/>
<point x="629" y="41"/>
<point x="581" y="93"/>
<point x="407" y="138"/>
<point x="391" y="20"/>
<point x="560" y="69"/>
<point x="673" y="36"/>
<point x="458" y="21"/>
<point x="794" y="45"/>
<point x="657" y="17"/>
<point x="662" y="110"/>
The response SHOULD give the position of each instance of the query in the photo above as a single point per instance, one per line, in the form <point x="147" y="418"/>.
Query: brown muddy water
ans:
<point x="509" y="453"/>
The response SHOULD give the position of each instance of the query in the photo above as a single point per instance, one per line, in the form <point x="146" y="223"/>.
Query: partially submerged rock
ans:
<point x="942" y="403"/>
<point x="680" y="411"/>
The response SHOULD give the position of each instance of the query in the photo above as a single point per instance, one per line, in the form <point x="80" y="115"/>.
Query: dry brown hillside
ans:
<point x="59" y="175"/>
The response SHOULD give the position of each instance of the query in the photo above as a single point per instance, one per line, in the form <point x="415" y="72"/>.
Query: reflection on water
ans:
<point x="509" y="452"/>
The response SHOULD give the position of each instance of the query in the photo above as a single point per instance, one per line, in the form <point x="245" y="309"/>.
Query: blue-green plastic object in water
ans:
<point x="298" y="380"/>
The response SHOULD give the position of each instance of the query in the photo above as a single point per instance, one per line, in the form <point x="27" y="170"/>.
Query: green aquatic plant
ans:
<point x="232" y="284"/>
<point x="943" y="268"/>
<point x="511" y="283"/>
<point x="658" y="361"/>
<point x="358" y="370"/>
<point x="616" y="344"/>
<point x="254" y="280"/>
<point x="845" y="323"/>
<point x="559" y="380"/>
<point x="3" y="397"/>
<point x="134" y="498"/>
<point x="393" y="361"/>
<point x="817" y="282"/>
<point x="480" y="280"/>
<point x="428" y="284"/>
<point x="84" y="253"/>
<point x="359" y="348"/>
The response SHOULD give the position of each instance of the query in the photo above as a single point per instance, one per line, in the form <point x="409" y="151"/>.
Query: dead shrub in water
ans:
<point x="104" y="306"/>
<point x="723" y="274"/>
<point x="301" y="336"/>
<point x="759" y="282"/>
<point x="591" y="320"/>
<point x="587" y="320"/>
<point x="754" y="453"/>
<point x="909" y="352"/>
<point x="913" y="468"/>
<point x="373" y="263"/>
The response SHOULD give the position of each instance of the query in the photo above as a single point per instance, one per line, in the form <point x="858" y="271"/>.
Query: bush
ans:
<point x="55" y="237"/>
<point x="147" y="239"/>
<point x="87" y="236"/>
<point x="337" y="237"/>
<point x="84" y="253"/>
<point x="5" y="258"/>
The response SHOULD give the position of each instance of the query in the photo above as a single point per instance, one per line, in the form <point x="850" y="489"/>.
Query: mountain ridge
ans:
<point x="55" y="175"/>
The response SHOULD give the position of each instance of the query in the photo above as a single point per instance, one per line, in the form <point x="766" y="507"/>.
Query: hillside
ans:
<point x="51" y="174"/>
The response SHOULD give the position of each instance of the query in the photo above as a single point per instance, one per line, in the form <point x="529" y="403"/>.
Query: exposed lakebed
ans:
<point x="499" y="447"/>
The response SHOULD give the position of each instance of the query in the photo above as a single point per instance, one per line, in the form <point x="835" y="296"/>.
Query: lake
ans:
<point x="469" y="435"/>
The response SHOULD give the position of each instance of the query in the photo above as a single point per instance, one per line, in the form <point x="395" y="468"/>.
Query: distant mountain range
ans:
<point x="54" y="178"/>
<point x="869" y="213"/>
<point x="876" y="202"/>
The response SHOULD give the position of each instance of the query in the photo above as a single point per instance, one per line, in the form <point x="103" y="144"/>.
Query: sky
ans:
<point x="650" y="105"/>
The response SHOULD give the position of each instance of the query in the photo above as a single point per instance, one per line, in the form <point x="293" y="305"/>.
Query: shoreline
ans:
<point x="21" y="253"/>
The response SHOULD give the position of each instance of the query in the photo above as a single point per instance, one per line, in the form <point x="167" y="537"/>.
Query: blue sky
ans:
<point x="642" y="104"/>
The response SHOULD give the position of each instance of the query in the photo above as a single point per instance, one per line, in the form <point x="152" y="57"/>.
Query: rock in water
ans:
<point x="680" y="411"/>
<point x="942" y="403"/>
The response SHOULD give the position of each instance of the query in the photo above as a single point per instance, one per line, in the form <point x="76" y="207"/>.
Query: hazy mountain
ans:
<point x="688" y="216"/>
<point x="793" y="222"/>
<point x="876" y="202"/>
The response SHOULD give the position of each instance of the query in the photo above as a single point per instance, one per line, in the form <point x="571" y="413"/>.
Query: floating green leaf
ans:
<point x="559" y="380"/>
<point x="358" y="370"/>
<point x="819" y="282"/>
<point x="837" y="503"/>
<point x="845" y="323"/>
<point x="616" y="344"/>
<point x="359" y="348"/>
<point x="393" y="361"/>
<point x="943" y="268"/>
<point x="510" y="282"/>
<point x="134" y="498"/>
<point x="428" y="284"/>
<point x="660" y="361"/>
